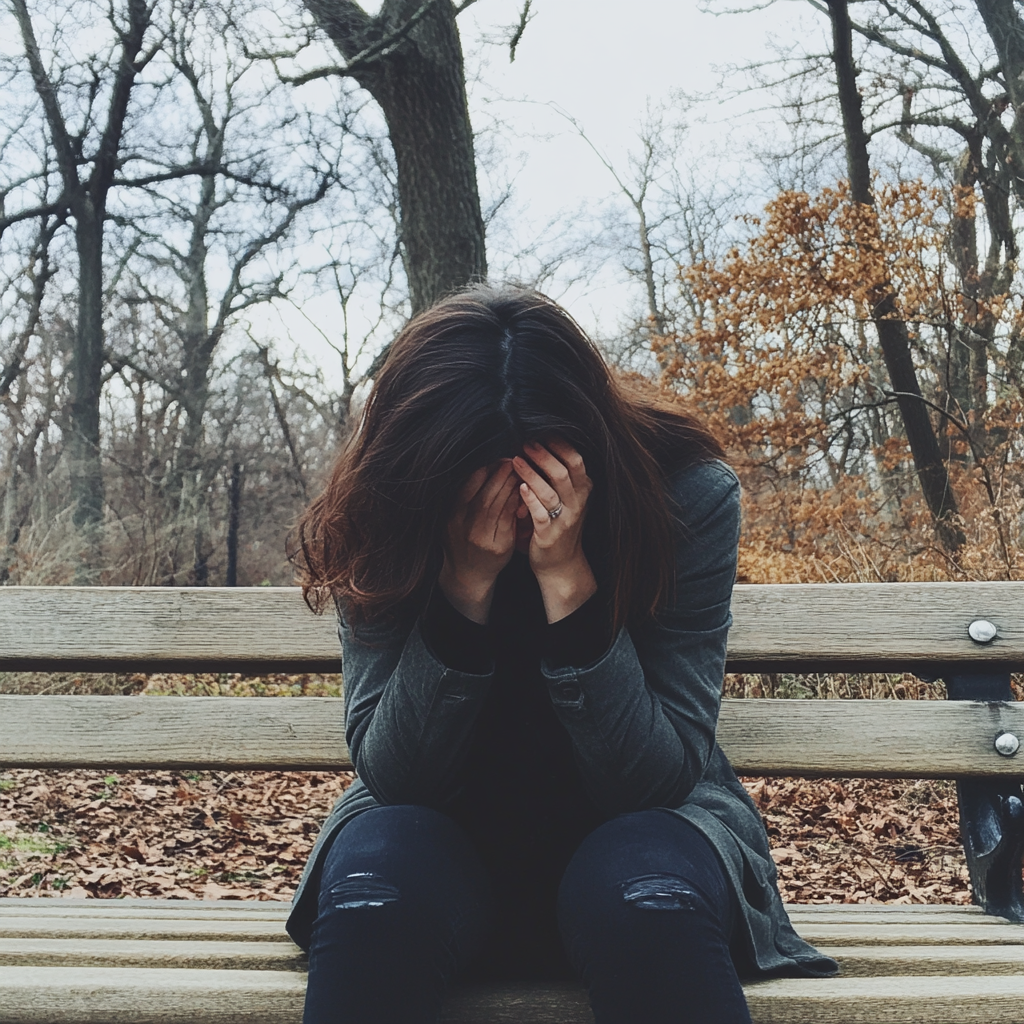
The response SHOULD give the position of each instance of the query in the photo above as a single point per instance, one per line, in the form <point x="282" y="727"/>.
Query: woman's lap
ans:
<point x="406" y="907"/>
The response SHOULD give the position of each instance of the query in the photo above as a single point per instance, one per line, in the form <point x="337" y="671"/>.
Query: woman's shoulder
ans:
<point x="703" y="490"/>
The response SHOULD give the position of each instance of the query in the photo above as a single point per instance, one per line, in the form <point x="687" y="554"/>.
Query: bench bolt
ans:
<point x="982" y="631"/>
<point x="1007" y="744"/>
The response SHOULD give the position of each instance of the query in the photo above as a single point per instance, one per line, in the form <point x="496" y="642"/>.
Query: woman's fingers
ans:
<point x="471" y="487"/>
<point x="573" y="462"/>
<point x="492" y="488"/>
<point x="538" y="511"/>
<point x="553" y="469"/>
<point x="507" y="517"/>
<point x="487" y="520"/>
<point x="538" y="485"/>
<point x="496" y="511"/>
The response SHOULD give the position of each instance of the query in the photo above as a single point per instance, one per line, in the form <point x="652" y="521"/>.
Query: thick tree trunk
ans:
<point x="420" y="86"/>
<point x="187" y="493"/>
<point x="892" y="332"/>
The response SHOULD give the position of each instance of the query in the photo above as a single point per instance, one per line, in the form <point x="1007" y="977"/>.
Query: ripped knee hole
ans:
<point x="660" y="892"/>
<point x="362" y="889"/>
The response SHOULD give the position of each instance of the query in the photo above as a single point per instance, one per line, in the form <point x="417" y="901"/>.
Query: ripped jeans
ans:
<point x="406" y="907"/>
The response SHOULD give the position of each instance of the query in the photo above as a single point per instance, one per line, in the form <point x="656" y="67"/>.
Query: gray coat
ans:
<point x="641" y="720"/>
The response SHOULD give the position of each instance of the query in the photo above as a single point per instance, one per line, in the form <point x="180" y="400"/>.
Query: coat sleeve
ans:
<point x="408" y="717"/>
<point x="642" y="718"/>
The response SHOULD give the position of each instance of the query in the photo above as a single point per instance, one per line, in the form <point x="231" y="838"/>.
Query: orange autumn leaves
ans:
<point x="782" y="358"/>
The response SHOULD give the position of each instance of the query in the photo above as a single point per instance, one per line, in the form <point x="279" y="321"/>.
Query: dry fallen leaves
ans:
<point x="209" y="835"/>
<point x="246" y="835"/>
<point x="864" y="840"/>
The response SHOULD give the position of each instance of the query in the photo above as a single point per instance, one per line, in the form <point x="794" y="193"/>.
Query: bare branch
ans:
<point x="525" y="17"/>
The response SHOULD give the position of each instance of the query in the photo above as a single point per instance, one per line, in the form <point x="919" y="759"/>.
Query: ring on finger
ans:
<point x="554" y="513"/>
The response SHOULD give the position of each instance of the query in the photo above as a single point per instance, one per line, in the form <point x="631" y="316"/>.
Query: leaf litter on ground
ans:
<point x="246" y="835"/>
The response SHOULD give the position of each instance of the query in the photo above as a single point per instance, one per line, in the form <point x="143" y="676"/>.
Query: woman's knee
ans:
<point x="646" y="915"/>
<point x="403" y="904"/>
<point x="642" y="863"/>
<point x="398" y="853"/>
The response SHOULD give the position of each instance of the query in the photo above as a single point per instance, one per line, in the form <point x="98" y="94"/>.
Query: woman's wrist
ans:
<point x="566" y="588"/>
<point x="468" y="596"/>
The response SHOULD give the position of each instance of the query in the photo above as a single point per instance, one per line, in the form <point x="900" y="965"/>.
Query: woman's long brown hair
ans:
<point x="466" y="383"/>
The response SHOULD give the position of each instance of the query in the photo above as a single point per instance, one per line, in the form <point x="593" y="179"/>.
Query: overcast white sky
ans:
<point x="603" y="62"/>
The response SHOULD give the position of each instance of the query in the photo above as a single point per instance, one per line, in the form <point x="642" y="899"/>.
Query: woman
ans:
<point x="532" y="567"/>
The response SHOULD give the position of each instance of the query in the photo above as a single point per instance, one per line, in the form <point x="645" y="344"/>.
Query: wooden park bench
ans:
<point x="148" y="961"/>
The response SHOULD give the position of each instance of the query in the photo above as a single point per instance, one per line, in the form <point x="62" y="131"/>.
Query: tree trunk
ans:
<point x="1006" y="30"/>
<point x="892" y="333"/>
<point x="420" y="86"/>
<point x="87" y="202"/>
<point x="84" y="461"/>
<point x="187" y="493"/>
<point x="234" y="507"/>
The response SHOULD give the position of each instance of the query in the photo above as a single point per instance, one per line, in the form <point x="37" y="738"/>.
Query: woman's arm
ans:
<point x="642" y="718"/>
<point x="408" y="716"/>
<point x="412" y="694"/>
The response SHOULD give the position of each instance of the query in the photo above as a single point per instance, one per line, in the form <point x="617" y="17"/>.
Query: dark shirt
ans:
<point x="522" y="798"/>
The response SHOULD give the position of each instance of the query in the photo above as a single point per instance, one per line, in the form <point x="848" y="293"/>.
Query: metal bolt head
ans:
<point x="982" y="631"/>
<point x="1007" y="744"/>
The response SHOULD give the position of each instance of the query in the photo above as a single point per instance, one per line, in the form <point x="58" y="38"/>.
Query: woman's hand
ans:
<point x="556" y="547"/>
<point x="480" y="539"/>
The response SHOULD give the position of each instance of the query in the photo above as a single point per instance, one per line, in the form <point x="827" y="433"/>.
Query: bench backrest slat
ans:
<point x="798" y="627"/>
<point x="880" y="738"/>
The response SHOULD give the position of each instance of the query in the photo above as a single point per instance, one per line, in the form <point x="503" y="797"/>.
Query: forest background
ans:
<point x="213" y="217"/>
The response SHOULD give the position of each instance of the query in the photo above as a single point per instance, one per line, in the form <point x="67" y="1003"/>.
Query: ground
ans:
<point x="246" y="835"/>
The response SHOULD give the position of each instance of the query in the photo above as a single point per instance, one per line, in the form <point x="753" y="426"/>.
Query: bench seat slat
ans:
<point x="146" y="905"/>
<point x="796" y="627"/>
<point x="184" y="910"/>
<point x="140" y="995"/>
<point x="208" y="954"/>
<point x="903" y="930"/>
<point x="893" y="1000"/>
<point x="827" y="934"/>
<point x="279" y="909"/>
<point x="31" y="927"/>
<point x="855" y="961"/>
<point x="872" y="738"/>
<point x="882" y="961"/>
<point x="909" y="916"/>
<point x="873" y="909"/>
<point x="32" y="995"/>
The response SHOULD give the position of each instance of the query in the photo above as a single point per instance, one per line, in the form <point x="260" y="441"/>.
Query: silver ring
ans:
<point x="555" y="512"/>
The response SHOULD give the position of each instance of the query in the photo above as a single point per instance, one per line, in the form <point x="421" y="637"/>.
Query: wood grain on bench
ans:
<point x="184" y="962"/>
<point x="798" y="627"/>
<point x="954" y="969"/>
<point x="871" y="738"/>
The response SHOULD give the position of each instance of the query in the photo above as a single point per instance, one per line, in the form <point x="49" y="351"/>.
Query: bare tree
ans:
<point x="409" y="58"/>
<point x="228" y="220"/>
<point x="88" y="159"/>
<point x="26" y="417"/>
<point x="892" y="332"/>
